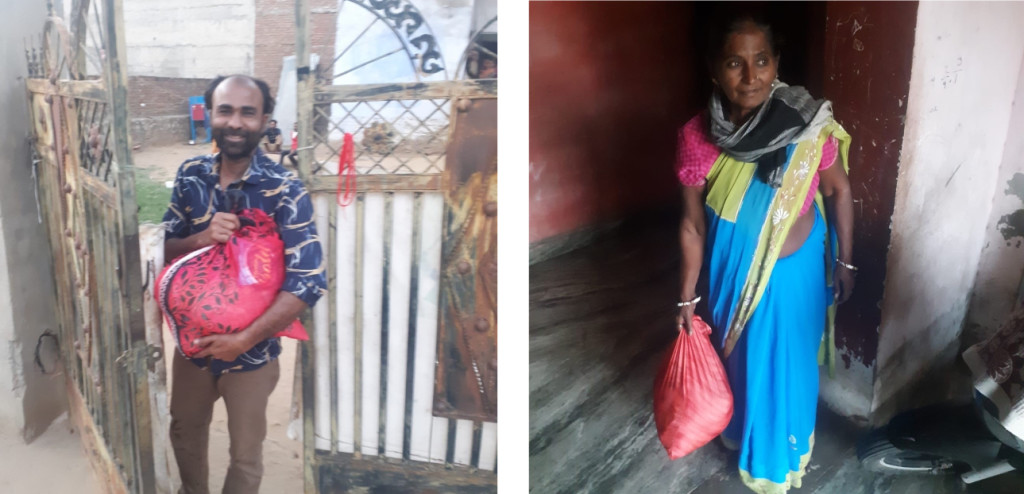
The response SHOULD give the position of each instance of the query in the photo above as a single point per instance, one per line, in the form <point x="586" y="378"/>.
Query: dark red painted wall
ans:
<point x="868" y="52"/>
<point x="609" y="84"/>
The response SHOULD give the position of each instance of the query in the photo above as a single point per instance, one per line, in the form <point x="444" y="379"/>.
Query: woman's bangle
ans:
<point x="689" y="302"/>
<point x="851" y="267"/>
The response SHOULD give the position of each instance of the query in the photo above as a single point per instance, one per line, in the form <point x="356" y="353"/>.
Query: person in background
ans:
<point x="272" y="138"/>
<point x="293" y="153"/>
<point x="488" y="67"/>
<point x="481" y="65"/>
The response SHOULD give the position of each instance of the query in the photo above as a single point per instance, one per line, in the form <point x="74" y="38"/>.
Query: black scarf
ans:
<point x="786" y="116"/>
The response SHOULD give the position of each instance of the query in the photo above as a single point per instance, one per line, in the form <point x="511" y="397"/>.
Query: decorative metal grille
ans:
<point x="94" y="140"/>
<point x="95" y="37"/>
<point x="34" y="61"/>
<point x="93" y="236"/>
<point x="476" y="50"/>
<point x="50" y="58"/>
<point x="390" y="136"/>
<point x="409" y="27"/>
<point x="54" y="56"/>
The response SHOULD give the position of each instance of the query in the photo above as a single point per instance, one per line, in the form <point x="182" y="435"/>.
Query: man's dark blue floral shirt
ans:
<point x="197" y="196"/>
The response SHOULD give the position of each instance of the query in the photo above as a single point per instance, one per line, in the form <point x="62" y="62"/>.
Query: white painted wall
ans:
<point x="483" y="12"/>
<point x="29" y="399"/>
<point x="967" y="59"/>
<point x="1002" y="258"/>
<point x="11" y="415"/>
<point x="190" y="38"/>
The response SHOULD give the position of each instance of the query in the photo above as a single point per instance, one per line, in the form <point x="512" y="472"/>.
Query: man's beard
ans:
<point x="236" y="150"/>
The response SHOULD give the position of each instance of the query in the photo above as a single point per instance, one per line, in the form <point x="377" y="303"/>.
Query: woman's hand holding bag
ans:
<point x="692" y="399"/>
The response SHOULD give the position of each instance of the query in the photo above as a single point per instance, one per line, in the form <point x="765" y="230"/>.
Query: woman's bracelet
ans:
<point x="851" y="267"/>
<point x="689" y="302"/>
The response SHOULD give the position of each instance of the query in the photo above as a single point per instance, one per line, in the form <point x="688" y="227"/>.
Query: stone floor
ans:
<point x="597" y="332"/>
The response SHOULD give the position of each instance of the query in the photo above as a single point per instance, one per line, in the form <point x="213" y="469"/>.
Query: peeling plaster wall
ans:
<point x="29" y="400"/>
<point x="189" y="38"/>
<point x="11" y="417"/>
<point x="967" y="59"/>
<point x="1002" y="259"/>
<point x="868" y="53"/>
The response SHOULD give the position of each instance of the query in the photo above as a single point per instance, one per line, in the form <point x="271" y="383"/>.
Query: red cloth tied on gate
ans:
<point x="223" y="288"/>
<point x="692" y="399"/>
<point x="346" y="172"/>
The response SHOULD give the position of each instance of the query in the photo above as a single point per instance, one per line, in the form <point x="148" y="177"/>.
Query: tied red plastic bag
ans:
<point x="223" y="288"/>
<point x="692" y="399"/>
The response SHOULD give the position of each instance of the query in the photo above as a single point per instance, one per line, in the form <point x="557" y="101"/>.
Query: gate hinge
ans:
<point x="150" y="355"/>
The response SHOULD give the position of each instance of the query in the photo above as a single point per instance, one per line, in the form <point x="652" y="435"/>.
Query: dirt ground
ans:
<point x="282" y="457"/>
<point x="162" y="161"/>
<point x="54" y="462"/>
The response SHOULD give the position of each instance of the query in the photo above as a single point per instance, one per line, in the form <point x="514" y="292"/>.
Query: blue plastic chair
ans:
<point x="197" y="113"/>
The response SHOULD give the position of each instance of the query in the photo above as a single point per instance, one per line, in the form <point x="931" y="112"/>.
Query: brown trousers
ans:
<point x="194" y="391"/>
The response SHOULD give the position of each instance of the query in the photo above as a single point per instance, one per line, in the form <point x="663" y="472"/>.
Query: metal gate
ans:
<point x="86" y="192"/>
<point x="399" y="378"/>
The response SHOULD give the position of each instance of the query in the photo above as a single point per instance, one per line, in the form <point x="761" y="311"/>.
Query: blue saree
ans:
<point x="772" y="315"/>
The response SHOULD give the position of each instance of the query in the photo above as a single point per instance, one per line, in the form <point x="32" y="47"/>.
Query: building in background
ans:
<point x="175" y="48"/>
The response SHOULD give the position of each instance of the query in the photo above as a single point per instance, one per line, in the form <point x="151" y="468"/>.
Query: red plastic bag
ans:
<point x="223" y="288"/>
<point x="692" y="399"/>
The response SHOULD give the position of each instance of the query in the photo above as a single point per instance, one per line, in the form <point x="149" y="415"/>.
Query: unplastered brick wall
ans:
<point x="158" y="108"/>
<point x="275" y="35"/>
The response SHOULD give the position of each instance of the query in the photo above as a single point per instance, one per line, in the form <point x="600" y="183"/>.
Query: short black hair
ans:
<point x="729" y="19"/>
<point x="268" y="100"/>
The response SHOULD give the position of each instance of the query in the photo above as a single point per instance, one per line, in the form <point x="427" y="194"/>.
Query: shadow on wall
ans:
<point x="609" y="84"/>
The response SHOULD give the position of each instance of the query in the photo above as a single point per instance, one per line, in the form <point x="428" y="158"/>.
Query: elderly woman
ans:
<point x="767" y="212"/>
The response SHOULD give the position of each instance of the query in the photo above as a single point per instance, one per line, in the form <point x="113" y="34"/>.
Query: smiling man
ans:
<point x="241" y="367"/>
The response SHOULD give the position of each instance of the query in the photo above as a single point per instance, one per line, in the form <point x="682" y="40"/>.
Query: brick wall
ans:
<point x="158" y="108"/>
<point x="275" y="35"/>
<point x="164" y="118"/>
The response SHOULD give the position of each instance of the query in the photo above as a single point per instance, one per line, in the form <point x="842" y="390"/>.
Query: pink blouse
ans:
<point x="696" y="153"/>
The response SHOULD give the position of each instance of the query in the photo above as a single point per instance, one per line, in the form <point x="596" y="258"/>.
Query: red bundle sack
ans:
<point x="692" y="399"/>
<point x="223" y="288"/>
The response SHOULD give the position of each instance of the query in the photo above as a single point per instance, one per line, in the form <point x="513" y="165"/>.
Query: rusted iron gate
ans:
<point x="78" y="101"/>
<point x="399" y="378"/>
